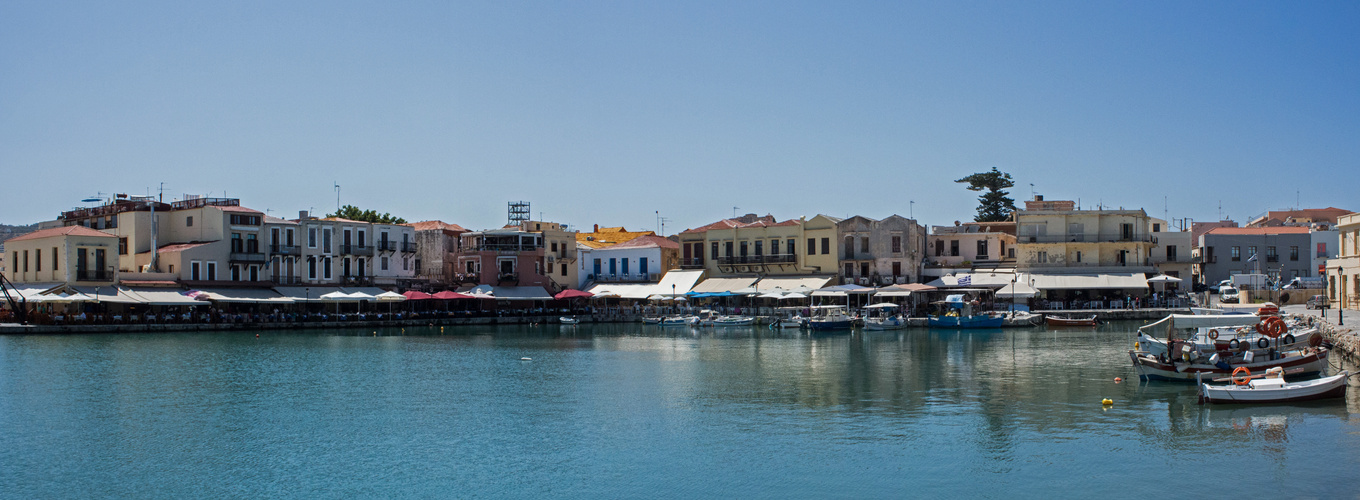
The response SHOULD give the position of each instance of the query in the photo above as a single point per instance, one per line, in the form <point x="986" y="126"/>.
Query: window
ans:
<point x="743" y="249"/>
<point x="311" y="237"/>
<point x="326" y="240"/>
<point x="235" y="273"/>
<point x="1321" y="249"/>
<point x="1171" y="253"/>
<point x="237" y="245"/>
<point x="849" y="269"/>
<point x="624" y="269"/>
<point x="254" y="273"/>
<point x="405" y="263"/>
<point x="760" y="248"/>
<point x="1078" y="255"/>
<point x="728" y="246"/>
<point x="274" y="236"/>
<point x="1157" y="228"/>
<point x="939" y="248"/>
<point x="714" y="251"/>
<point x="252" y="243"/>
<point x="245" y="220"/>
<point x="193" y="270"/>
<point x="122" y="246"/>
<point x="383" y="263"/>
<point x="326" y="268"/>
<point x="1271" y="256"/>
<point x="25" y="260"/>
<point x="896" y="246"/>
<point x="189" y="221"/>
<point x="362" y="265"/>
<point x="554" y="246"/>
<point x="774" y="247"/>
<point x="1251" y="252"/>
<point x="953" y="248"/>
<point x="564" y="270"/>
<point x="812" y="246"/>
<point x="982" y="249"/>
<point x="311" y="268"/>
<point x="790" y="247"/>
<point x="55" y="259"/>
<point x="1042" y="257"/>
<point x="826" y="246"/>
<point x="212" y="271"/>
<point x="1294" y="253"/>
<point x="849" y="247"/>
<point x="37" y="261"/>
<point x="897" y="269"/>
<point x="864" y="244"/>
<point x="1123" y="257"/>
<point x="1236" y="254"/>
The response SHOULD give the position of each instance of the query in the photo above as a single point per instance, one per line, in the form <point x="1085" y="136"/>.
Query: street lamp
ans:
<point x="307" y="298"/>
<point x="1341" y="309"/>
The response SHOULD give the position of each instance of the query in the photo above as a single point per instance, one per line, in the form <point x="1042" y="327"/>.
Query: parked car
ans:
<point x="1317" y="302"/>
<point x="1228" y="295"/>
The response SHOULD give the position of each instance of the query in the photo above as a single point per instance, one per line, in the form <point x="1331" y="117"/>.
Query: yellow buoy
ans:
<point x="1107" y="401"/>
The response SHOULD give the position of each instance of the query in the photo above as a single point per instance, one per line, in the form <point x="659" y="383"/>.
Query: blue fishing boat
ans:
<point x="830" y="318"/>
<point x="959" y="314"/>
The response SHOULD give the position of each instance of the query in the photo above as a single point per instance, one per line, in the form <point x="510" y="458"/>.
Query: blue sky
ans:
<point x="605" y="113"/>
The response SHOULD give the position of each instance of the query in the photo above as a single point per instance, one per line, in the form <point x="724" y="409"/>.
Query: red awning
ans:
<point x="447" y="295"/>
<point x="414" y="295"/>
<point x="572" y="294"/>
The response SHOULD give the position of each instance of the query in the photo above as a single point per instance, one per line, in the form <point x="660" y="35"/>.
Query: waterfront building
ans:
<point x="968" y="246"/>
<point x="1278" y="251"/>
<point x="435" y="264"/>
<point x="1310" y="217"/>
<point x="643" y="259"/>
<point x="1109" y="249"/>
<point x="759" y="246"/>
<point x="1343" y="271"/>
<point x="75" y="255"/>
<point x="880" y="252"/>
<point x="336" y="251"/>
<point x="285" y="251"/>
<point x="534" y="253"/>
<point x="394" y="255"/>
<point x="1171" y="255"/>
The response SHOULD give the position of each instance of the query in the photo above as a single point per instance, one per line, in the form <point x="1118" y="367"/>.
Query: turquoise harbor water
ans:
<point x="632" y="411"/>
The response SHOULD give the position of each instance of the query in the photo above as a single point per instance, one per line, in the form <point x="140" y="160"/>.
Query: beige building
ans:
<point x="761" y="246"/>
<point x="880" y="252"/>
<point x="73" y="255"/>
<point x="1172" y="253"/>
<point x="1343" y="272"/>
<point x="1053" y="236"/>
<point x="969" y="246"/>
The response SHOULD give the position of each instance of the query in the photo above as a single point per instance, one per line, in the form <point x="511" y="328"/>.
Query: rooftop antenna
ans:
<point x="337" y="198"/>
<point x="1220" y="210"/>
<point x="734" y="212"/>
<point x="1031" y="191"/>
<point x="661" y="222"/>
<point x="911" y="210"/>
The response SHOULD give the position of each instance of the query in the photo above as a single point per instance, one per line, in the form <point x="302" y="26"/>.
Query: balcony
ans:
<point x="504" y="277"/>
<point x="286" y="280"/>
<point x="408" y="247"/>
<point x="1085" y="238"/>
<point x="285" y="249"/>
<point x="505" y="249"/>
<point x="747" y="260"/>
<point x="357" y="280"/>
<point x="624" y="278"/>
<point x="361" y="250"/>
<point x="93" y="275"/>
<point x="691" y="263"/>
<point x="246" y="257"/>
<point x="1272" y="258"/>
<point x="387" y="246"/>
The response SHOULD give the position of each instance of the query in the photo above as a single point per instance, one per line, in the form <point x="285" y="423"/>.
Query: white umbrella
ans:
<point x="361" y="296"/>
<point x="772" y="295"/>
<point x="793" y="295"/>
<point x="1162" y="278"/>
<point x="337" y="296"/>
<point x="390" y="297"/>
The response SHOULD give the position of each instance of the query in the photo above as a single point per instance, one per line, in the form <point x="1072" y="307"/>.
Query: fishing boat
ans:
<point x="1227" y="332"/>
<point x="568" y="320"/>
<point x="649" y="320"/>
<point x="1184" y="360"/>
<point x="733" y="321"/>
<point x="1069" y="321"/>
<point x="1271" y="388"/>
<point x="830" y="318"/>
<point x="679" y="320"/>
<point x="789" y="317"/>
<point x="884" y="316"/>
<point x="959" y="314"/>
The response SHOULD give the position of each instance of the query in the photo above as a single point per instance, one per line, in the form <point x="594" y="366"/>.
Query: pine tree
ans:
<point x="994" y="205"/>
<point x="352" y="212"/>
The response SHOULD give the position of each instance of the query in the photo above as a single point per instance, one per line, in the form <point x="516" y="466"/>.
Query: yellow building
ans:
<point x="1343" y="272"/>
<point x="70" y="255"/>
<point x="1053" y="236"/>
<point x="761" y="246"/>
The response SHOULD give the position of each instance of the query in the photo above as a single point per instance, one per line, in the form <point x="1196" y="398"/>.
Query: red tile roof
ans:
<point x="1328" y="214"/>
<point x="236" y="208"/>
<point x="766" y="221"/>
<point x="1259" y="230"/>
<point x="61" y="231"/>
<point x="429" y="225"/>
<point x="648" y="241"/>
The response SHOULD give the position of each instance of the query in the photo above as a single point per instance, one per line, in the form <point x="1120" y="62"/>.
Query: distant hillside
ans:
<point x="7" y="231"/>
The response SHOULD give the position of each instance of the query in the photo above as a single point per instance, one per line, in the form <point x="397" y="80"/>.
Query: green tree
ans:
<point x="993" y="205"/>
<point x="352" y="212"/>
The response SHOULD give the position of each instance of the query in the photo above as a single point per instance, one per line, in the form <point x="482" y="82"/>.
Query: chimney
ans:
<point x="302" y="215"/>
<point x="597" y="228"/>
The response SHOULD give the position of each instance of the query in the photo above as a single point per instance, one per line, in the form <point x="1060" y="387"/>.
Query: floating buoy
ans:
<point x="257" y="335"/>
<point x="1118" y="380"/>
<point x="526" y="359"/>
<point x="1107" y="401"/>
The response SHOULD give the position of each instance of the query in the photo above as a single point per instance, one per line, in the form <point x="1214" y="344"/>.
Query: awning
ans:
<point x="372" y="291"/>
<point x="1017" y="289"/>
<point x="391" y="297"/>
<point x="792" y="282"/>
<point x="1088" y="281"/>
<point x="417" y="295"/>
<point x="572" y="294"/>
<point x="163" y="296"/>
<point x="713" y="285"/>
<point x="987" y="279"/>
<point x="521" y="293"/>
<point x="110" y="294"/>
<point x="904" y="290"/>
<point x="245" y="295"/>
<point x="31" y="290"/>
<point x="306" y="293"/>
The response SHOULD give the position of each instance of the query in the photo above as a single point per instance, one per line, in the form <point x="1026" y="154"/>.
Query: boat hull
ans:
<point x="830" y="325"/>
<point x="1056" y="321"/>
<point x="966" y="322"/>
<point x="885" y="324"/>
<point x="733" y="322"/>
<point x="1150" y="368"/>
<point x="1323" y="388"/>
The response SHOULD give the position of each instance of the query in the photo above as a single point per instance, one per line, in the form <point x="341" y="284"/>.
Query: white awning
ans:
<point x="163" y="296"/>
<point x="245" y="295"/>
<point x="521" y="293"/>
<point x="1089" y="281"/>
<point x="1017" y="289"/>
<point x="792" y="283"/>
<point x="110" y="294"/>
<point x="719" y="285"/>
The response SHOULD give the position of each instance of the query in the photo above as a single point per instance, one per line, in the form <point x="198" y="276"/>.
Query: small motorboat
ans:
<point x="679" y="320"/>
<point x="568" y="320"/>
<point x="830" y="318"/>
<point x="884" y="316"/>
<point x="1070" y="321"/>
<point x="647" y="320"/>
<point x="733" y="321"/>
<point x="1271" y="388"/>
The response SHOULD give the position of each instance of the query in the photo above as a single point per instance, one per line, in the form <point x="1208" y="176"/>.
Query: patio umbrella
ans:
<point x="415" y="295"/>
<point x="389" y="298"/>
<point x="572" y="294"/>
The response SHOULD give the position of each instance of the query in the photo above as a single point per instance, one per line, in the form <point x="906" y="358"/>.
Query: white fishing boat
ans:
<point x="830" y="318"/>
<point x="1226" y="332"/>
<point x="1185" y="360"/>
<point x="679" y="320"/>
<point x="790" y="317"/>
<point x="884" y="316"/>
<point x="649" y="320"/>
<point x="1272" y="388"/>
<point x="733" y="321"/>
<point x="568" y="320"/>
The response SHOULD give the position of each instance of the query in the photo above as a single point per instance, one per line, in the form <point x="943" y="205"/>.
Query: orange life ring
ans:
<point x="1213" y="334"/>
<point x="1245" y="379"/>
<point x="1273" y="327"/>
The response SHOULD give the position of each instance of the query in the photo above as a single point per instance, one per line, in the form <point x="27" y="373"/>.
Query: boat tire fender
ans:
<point x="1315" y="340"/>
<point x="1262" y="342"/>
<point x="1232" y="344"/>
<point x="1289" y="338"/>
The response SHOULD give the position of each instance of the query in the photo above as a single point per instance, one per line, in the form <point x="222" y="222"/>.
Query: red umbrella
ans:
<point x="414" y="295"/>
<point x="447" y="295"/>
<point x="572" y="294"/>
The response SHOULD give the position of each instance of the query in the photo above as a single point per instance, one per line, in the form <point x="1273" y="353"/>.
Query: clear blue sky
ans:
<point x="608" y="112"/>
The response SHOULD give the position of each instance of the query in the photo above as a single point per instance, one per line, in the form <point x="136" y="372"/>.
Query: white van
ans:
<point x="1228" y="295"/>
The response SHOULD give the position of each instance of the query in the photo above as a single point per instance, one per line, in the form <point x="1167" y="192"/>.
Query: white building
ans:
<point x="394" y="262"/>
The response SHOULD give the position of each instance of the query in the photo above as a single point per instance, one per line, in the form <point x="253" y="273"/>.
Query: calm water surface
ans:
<point x="634" y="411"/>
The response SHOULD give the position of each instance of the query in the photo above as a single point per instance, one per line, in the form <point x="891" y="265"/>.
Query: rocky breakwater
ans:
<point x="1343" y="340"/>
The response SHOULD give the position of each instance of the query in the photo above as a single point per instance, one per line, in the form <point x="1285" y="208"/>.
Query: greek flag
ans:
<point x="1252" y="258"/>
<point x="965" y="281"/>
